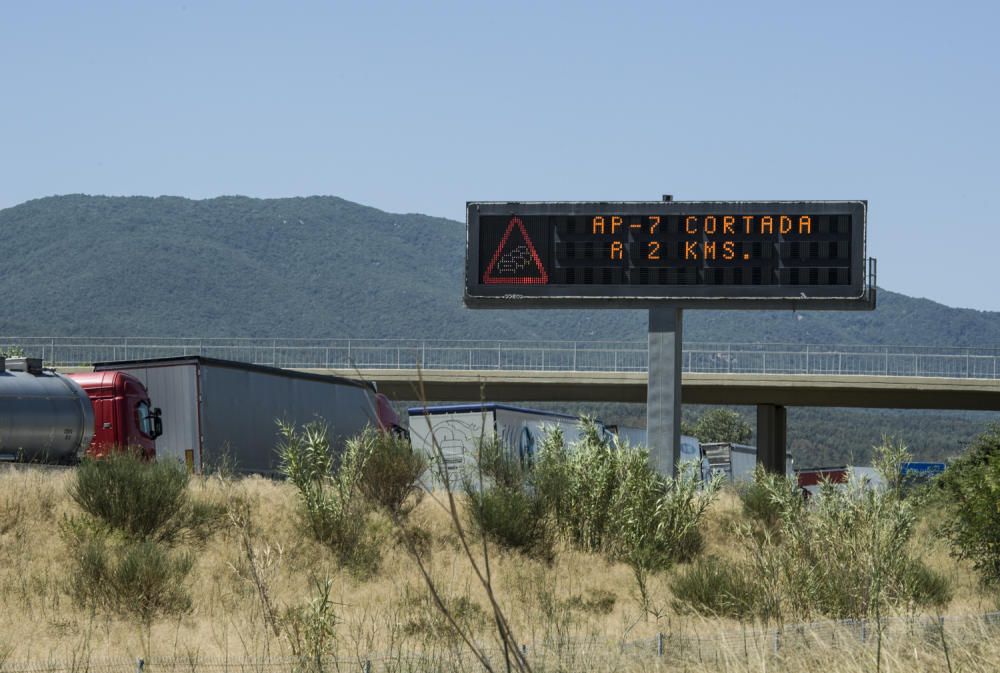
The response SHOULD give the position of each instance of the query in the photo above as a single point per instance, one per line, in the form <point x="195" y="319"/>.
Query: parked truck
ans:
<point x="50" y="417"/>
<point x="222" y="412"/>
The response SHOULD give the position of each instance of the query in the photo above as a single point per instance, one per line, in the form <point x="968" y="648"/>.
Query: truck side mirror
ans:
<point x="157" y="423"/>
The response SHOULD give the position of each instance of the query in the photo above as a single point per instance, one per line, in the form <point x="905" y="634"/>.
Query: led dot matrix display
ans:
<point x="680" y="251"/>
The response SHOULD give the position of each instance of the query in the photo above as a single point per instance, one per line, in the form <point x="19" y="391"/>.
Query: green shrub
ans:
<point x="721" y="425"/>
<point x="503" y="504"/>
<point x="845" y="555"/>
<point x="391" y="473"/>
<point x="578" y="483"/>
<point x="142" y="500"/>
<point x="765" y="497"/>
<point x="334" y="507"/>
<point x="970" y="492"/>
<point x="138" y="578"/>
<point x="653" y="520"/>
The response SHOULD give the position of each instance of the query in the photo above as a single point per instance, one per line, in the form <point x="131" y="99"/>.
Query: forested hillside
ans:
<point x="325" y="267"/>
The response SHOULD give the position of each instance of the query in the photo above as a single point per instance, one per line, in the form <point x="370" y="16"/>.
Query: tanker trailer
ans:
<point x="47" y="417"/>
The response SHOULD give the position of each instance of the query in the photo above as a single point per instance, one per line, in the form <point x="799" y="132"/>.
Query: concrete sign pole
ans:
<point x="663" y="390"/>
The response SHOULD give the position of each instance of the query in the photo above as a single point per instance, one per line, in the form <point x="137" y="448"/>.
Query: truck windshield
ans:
<point x="144" y="418"/>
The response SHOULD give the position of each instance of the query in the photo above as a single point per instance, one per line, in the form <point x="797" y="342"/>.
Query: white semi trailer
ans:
<point x="458" y="430"/>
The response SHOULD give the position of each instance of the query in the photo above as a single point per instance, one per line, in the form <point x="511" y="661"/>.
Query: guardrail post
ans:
<point x="968" y="364"/>
<point x="807" y="358"/>
<point x="885" y="369"/>
<point x="839" y="363"/>
<point x="498" y="356"/>
<point x="574" y="358"/>
<point x="423" y="353"/>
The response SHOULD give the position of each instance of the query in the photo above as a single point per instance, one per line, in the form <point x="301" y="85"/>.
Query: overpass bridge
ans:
<point x="770" y="376"/>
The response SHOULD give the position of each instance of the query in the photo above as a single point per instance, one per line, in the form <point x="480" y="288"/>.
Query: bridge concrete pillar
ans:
<point x="772" y="423"/>
<point x="663" y="389"/>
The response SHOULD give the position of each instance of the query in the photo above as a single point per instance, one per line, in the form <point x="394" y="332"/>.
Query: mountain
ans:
<point x="324" y="267"/>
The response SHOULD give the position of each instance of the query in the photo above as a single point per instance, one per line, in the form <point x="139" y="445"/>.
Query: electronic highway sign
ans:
<point x="694" y="254"/>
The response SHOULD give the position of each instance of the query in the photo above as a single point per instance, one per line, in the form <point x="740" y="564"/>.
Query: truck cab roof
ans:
<point x="109" y="384"/>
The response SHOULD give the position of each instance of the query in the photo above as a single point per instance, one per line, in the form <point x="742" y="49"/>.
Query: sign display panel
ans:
<point x="758" y="254"/>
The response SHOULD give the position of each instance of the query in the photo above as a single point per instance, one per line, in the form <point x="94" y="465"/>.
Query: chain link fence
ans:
<point x="582" y="356"/>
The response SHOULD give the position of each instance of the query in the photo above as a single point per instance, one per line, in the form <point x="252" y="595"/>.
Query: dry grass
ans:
<point x="580" y="598"/>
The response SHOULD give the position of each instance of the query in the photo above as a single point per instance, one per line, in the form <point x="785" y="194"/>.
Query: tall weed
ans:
<point x="335" y="511"/>
<point x="847" y="554"/>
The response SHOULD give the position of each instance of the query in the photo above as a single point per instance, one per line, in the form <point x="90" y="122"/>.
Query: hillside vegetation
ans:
<point x="324" y="267"/>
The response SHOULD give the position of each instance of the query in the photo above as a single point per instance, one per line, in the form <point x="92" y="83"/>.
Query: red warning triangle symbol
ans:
<point x="516" y="261"/>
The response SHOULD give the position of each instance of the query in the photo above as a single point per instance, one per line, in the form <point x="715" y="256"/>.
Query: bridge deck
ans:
<point x="902" y="392"/>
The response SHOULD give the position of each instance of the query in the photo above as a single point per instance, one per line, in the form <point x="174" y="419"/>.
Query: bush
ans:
<point x="391" y="473"/>
<point x="578" y="485"/>
<point x="722" y="425"/>
<point x="127" y="577"/>
<point x="134" y="510"/>
<point x="334" y="507"/>
<point x="846" y="555"/>
<point x="504" y="506"/>
<point x="766" y="496"/>
<point x="140" y="499"/>
<point x="653" y="520"/>
<point x="970" y="490"/>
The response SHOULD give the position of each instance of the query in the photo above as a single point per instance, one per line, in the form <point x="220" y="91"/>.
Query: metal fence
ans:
<point x="583" y="356"/>
<point x="706" y="646"/>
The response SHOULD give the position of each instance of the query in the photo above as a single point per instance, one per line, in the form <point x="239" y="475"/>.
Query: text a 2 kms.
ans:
<point x="699" y="237"/>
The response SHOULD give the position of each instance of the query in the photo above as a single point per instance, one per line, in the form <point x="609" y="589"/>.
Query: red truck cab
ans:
<point x="123" y="415"/>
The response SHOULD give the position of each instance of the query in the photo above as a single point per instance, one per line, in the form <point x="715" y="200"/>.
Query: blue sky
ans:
<point x="413" y="108"/>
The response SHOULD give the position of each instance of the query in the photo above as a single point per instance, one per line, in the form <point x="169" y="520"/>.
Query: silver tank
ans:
<point x="44" y="416"/>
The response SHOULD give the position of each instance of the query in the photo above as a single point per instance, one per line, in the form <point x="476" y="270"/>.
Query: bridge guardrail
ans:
<point x="584" y="356"/>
